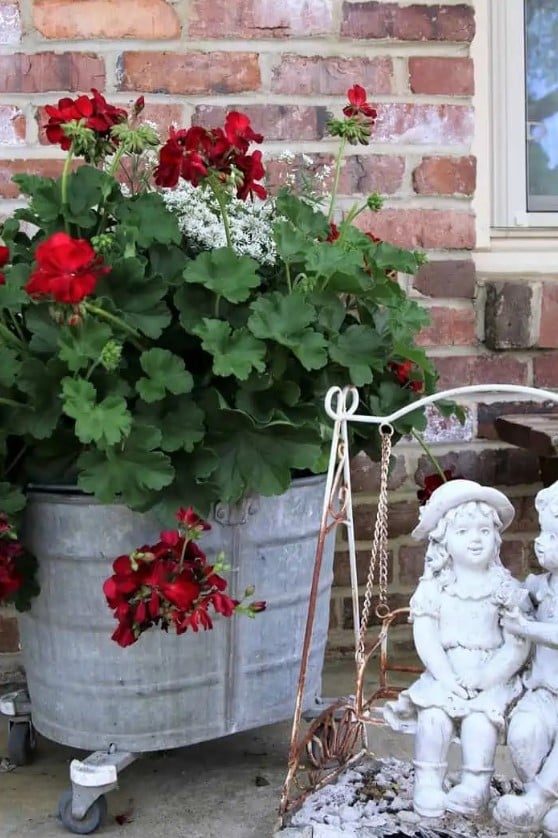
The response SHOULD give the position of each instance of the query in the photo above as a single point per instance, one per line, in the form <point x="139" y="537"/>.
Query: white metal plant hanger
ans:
<point x="337" y="738"/>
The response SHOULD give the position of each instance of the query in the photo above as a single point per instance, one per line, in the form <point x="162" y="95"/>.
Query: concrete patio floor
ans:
<point x="227" y="788"/>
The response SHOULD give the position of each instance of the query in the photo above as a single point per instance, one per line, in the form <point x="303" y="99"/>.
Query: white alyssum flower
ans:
<point x="200" y="221"/>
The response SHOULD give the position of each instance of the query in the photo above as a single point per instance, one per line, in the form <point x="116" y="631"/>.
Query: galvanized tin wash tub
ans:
<point x="168" y="691"/>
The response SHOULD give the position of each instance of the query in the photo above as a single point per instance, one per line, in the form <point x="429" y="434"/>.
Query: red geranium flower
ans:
<point x="97" y="113"/>
<point x="358" y="105"/>
<point x="4" y="259"/>
<point x="433" y="482"/>
<point x="252" y="170"/>
<point x="239" y="132"/>
<point x="67" y="269"/>
<point x="403" y="372"/>
<point x="189" y="518"/>
<point x="334" y="233"/>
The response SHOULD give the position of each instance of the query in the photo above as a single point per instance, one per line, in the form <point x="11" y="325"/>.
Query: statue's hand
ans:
<point x="472" y="681"/>
<point x="453" y="686"/>
<point x="515" y="622"/>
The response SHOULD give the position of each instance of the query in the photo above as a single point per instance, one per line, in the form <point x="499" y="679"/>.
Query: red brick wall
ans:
<point x="287" y="64"/>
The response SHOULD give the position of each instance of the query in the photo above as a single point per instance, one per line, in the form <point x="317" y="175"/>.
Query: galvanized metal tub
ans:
<point x="168" y="691"/>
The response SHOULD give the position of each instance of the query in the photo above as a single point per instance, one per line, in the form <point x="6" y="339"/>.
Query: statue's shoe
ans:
<point x="525" y="812"/>
<point x="550" y="823"/>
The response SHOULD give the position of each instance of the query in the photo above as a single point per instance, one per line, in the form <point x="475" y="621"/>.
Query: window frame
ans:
<point x="509" y="153"/>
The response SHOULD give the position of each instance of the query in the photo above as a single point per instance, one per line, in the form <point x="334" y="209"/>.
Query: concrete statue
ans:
<point x="463" y="612"/>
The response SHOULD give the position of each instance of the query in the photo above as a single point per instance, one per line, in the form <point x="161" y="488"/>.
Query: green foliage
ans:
<point x="190" y="376"/>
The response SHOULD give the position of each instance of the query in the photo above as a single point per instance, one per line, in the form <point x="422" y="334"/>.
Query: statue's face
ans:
<point x="546" y="550"/>
<point x="471" y="540"/>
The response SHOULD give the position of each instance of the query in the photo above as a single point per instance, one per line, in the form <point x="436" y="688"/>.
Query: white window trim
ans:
<point x="509" y="167"/>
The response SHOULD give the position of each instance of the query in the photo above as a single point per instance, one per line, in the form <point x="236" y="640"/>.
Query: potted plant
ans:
<point x="166" y="343"/>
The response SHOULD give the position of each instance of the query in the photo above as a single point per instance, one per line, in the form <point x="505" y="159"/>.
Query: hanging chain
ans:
<point x="379" y="549"/>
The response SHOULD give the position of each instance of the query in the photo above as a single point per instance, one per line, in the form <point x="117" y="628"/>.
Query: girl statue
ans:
<point x="471" y="662"/>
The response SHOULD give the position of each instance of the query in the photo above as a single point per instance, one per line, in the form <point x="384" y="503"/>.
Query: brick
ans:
<point x="394" y="601"/>
<point x="333" y="75"/>
<point x="8" y="168"/>
<point x="447" y="278"/>
<point x="403" y="518"/>
<point x="342" y="568"/>
<point x="259" y="19"/>
<point x="446" y="176"/>
<point x="363" y="174"/>
<point x="280" y="172"/>
<point x="386" y="21"/>
<point x="12" y="125"/>
<point x="275" y="122"/>
<point x="409" y="124"/>
<point x="464" y="370"/>
<point x="488" y="413"/>
<point x="9" y="635"/>
<point x="10" y="23"/>
<point x="43" y="71"/>
<point x="548" y="333"/>
<point x="512" y="554"/>
<point x="526" y="519"/>
<point x="492" y="467"/>
<point x="365" y="474"/>
<point x="449" y="327"/>
<point x="427" y="228"/>
<point x="411" y="564"/>
<point x="83" y="19"/>
<point x="545" y="370"/>
<point x="442" y="76"/>
<point x="190" y="72"/>
<point x="508" y="315"/>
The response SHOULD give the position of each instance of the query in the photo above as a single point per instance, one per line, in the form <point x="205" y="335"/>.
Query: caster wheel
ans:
<point x="21" y="743"/>
<point x="94" y="817"/>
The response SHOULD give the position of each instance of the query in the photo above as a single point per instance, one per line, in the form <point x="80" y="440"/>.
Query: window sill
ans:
<point x="519" y="251"/>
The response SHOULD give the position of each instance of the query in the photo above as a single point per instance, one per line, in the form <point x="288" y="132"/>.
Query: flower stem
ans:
<point x="338" y="163"/>
<point x="12" y="403"/>
<point x="10" y="337"/>
<point x="216" y="189"/>
<point x="16" y="326"/>
<point x="115" y="321"/>
<point x="429" y="454"/>
<point x="288" y="277"/>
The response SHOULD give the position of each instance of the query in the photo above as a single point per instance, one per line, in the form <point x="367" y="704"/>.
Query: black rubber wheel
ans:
<point x="94" y="817"/>
<point x="21" y="743"/>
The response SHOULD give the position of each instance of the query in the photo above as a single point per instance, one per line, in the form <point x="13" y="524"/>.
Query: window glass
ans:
<point x="541" y="65"/>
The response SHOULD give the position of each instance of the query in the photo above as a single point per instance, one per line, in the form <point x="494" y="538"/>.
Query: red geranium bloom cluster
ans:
<point x="4" y="259"/>
<point x="403" y="372"/>
<point x="98" y="115"/>
<point x="170" y="585"/>
<point x="433" y="482"/>
<point x="358" y="106"/>
<point x="67" y="269"/>
<point x="11" y="548"/>
<point x="195" y="153"/>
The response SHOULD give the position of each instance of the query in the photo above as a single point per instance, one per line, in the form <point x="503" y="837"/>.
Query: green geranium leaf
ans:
<point x="166" y="373"/>
<point x="44" y="331"/>
<point x="80" y="345"/>
<point x="304" y="217"/>
<point x="41" y="383"/>
<point x="11" y="499"/>
<point x="192" y="486"/>
<point x="12" y="295"/>
<point x="180" y="420"/>
<point x="285" y="320"/>
<point x="130" y="472"/>
<point x="235" y="352"/>
<point x="225" y="273"/>
<point x="46" y="200"/>
<point x="152" y="223"/>
<point x="362" y="350"/>
<point x="193" y="303"/>
<point x="137" y="296"/>
<point x="389" y="257"/>
<point x="167" y="262"/>
<point x="259" y="459"/>
<point x="291" y="244"/>
<point x="10" y="365"/>
<point x="87" y="188"/>
<point x="106" y="422"/>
